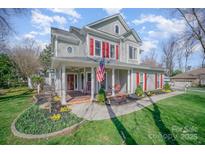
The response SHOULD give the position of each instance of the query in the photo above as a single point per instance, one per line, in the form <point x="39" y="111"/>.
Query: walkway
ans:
<point x="93" y="111"/>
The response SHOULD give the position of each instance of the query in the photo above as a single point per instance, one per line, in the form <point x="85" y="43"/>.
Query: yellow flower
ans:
<point x="57" y="98"/>
<point x="65" y="109"/>
<point x="55" y="117"/>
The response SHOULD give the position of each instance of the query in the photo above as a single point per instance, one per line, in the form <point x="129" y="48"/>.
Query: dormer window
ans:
<point x="117" y="30"/>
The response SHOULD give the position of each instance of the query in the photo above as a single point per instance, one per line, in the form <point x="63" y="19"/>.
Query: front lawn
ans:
<point x="176" y="120"/>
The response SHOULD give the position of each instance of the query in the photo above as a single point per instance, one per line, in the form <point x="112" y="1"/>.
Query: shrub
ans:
<point x="167" y="87"/>
<point x="101" y="96"/>
<point x="139" y="91"/>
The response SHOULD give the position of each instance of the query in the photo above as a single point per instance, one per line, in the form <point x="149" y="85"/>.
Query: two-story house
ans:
<point x="78" y="52"/>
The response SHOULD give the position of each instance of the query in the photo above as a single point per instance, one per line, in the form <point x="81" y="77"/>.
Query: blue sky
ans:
<point x="153" y="25"/>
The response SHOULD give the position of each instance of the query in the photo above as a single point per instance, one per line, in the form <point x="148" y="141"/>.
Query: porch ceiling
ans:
<point x="94" y="62"/>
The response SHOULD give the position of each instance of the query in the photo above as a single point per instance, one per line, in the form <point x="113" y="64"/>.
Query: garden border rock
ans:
<point x="67" y="130"/>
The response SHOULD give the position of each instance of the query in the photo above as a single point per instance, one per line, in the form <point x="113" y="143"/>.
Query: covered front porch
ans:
<point x="80" y="78"/>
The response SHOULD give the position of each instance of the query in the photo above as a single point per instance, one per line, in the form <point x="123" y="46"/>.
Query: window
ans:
<point x="112" y="51"/>
<point x="132" y="52"/>
<point x="135" y="53"/>
<point x="76" y="81"/>
<point x="69" y="50"/>
<point x="82" y="81"/>
<point x="104" y="82"/>
<point x="97" y="48"/>
<point x="117" y="29"/>
<point x="141" y="79"/>
<point x="158" y="80"/>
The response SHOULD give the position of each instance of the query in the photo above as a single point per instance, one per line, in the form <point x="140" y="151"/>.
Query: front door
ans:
<point x="70" y="81"/>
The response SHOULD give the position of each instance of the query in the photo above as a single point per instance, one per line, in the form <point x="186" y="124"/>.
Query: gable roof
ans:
<point x="118" y="16"/>
<point x="121" y="19"/>
<point x="190" y="74"/>
<point x="134" y="33"/>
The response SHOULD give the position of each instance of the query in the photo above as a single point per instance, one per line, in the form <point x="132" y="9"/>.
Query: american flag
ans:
<point x="100" y="72"/>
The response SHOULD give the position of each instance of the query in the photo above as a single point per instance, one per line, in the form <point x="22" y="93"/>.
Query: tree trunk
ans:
<point x="30" y="86"/>
<point x="38" y="88"/>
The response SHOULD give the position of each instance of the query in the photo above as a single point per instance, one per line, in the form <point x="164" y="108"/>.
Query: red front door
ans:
<point x="70" y="81"/>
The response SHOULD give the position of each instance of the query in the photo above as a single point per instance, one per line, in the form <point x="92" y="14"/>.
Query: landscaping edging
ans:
<point x="67" y="130"/>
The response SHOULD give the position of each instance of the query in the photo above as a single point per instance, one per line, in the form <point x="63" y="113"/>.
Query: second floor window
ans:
<point x="132" y="52"/>
<point x="117" y="29"/>
<point x="97" y="48"/>
<point x="112" y="51"/>
<point x="131" y="56"/>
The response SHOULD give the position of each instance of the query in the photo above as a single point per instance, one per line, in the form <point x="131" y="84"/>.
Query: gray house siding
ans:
<point x="108" y="27"/>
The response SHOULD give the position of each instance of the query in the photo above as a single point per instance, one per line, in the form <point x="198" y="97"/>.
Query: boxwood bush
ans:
<point x="101" y="97"/>
<point x="139" y="91"/>
<point x="38" y="121"/>
<point x="167" y="86"/>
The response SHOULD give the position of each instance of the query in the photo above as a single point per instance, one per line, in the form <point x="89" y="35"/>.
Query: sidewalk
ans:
<point x="93" y="111"/>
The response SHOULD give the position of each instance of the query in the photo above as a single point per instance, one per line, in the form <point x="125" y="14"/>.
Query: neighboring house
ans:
<point x="190" y="78"/>
<point x="78" y="52"/>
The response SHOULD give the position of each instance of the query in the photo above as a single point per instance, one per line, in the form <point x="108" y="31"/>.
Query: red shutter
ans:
<point x="137" y="78"/>
<point x="107" y="50"/>
<point x="103" y="49"/>
<point x="161" y="80"/>
<point x="155" y="80"/>
<point x="91" y="46"/>
<point x="145" y="81"/>
<point x="117" y="52"/>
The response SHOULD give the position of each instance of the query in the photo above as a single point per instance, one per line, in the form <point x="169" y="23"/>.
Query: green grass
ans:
<point x="176" y="120"/>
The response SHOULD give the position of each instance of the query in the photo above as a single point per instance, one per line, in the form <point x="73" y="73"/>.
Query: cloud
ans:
<point x="164" y="27"/>
<point x="43" y="22"/>
<point x="60" y="20"/>
<point x="149" y="45"/>
<point x="74" y="16"/>
<point x="111" y="11"/>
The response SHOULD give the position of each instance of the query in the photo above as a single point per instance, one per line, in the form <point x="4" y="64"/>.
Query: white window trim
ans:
<point x="135" y="53"/>
<point x="118" y="29"/>
<point x="114" y="51"/>
<point x="100" y="48"/>
<point x="71" y="73"/>
<point x="71" y="49"/>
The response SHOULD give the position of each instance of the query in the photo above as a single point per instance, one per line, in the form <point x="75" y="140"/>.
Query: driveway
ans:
<point x="94" y="111"/>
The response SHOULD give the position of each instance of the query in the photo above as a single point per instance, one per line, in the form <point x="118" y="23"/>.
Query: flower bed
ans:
<point x="39" y="121"/>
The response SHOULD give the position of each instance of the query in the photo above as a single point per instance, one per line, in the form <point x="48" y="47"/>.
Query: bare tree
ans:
<point x="26" y="57"/>
<point x="5" y="24"/>
<point x="195" y="31"/>
<point x="203" y="60"/>
<point x="188" y="51"/>
<point x="169" y="54"/>
<point x="151" y="60"/>
<point x="180" y="56"/>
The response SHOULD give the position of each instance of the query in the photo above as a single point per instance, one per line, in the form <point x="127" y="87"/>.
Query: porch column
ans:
<point x="92" y="83"/>
<point x="128" y="81"/>
<point x="64" y="88"/>
<point x="84" y="81"/>
<point x="113" y="81"/>
<point x="132" y="80"/>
